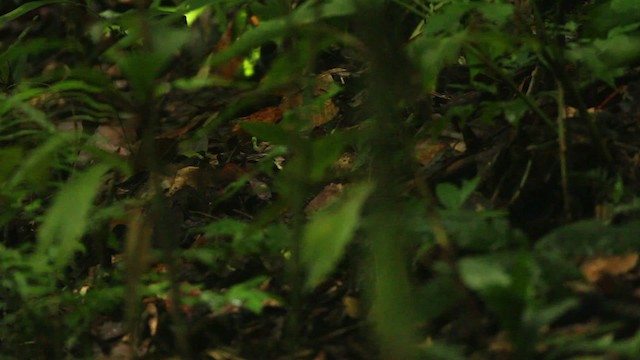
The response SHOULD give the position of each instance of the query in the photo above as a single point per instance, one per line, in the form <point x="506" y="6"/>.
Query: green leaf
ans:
<point x="481" y="231"/>
<point x="330" y="230"/>
<point x="248" y="295"/>
<point x="546" y="314"/>
<point x="59" y="237"/>
<point x="437" y="297"/>
<point x="25" y="8"/>
<point x="590" y="238"/>
<point x="498" y="13"/>
<point x="434" y="53"/>
<point x="230" y="227"/>
<point x="453" y="197"/>
<point x="484" y="273"/>
<point x="514" y="110"/>
<point x="626" y="5"/>
<point x="448" y="195"/>
<point x="448" y="20"/>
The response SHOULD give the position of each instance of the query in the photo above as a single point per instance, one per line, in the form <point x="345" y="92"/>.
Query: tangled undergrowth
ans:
<point x="335" y="179"/>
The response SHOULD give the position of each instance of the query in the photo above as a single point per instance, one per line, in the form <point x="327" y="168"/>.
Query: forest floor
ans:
<point x="217" y="181"/>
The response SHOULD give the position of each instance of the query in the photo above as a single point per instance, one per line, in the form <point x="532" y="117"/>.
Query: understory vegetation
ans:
<point x="302" y="179"/>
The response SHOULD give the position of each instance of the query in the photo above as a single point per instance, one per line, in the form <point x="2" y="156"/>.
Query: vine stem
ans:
<point x="562" y="152"/>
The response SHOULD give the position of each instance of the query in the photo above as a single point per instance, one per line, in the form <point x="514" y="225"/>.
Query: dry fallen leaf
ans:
<point x="229" y="69"/>
<point x="188" y="175"/>
<point x="151" y="312"/>
<point x="345" y="162"/>
<point x="429" y="151"/>
<point x="320" y="114"/>
<point x="269" y="115"/>
<point x="501" y="344"/>
<point x="594" y="269"/>
<point x="351" y="306"/>
<point x="321" y="356"/>
<point x="326" y="196"/>
<point x="114" y="139"/>
<point x="325" y="113"/>
<point x="223" y="354"/>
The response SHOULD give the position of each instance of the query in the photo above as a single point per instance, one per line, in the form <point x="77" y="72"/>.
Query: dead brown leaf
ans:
<point x="269" y="115"/>
<point x="229" y="69"/>
<point x="596" y="268"/>
<point x="351" y="306"/>
<point x="187" y="176"/>
<point x="326" y="196"/>
<point x="429" y="151"/>
<point x="115" y="139"/>
<point x="323" y="114"/>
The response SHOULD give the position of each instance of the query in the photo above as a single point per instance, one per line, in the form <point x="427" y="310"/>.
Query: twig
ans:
<point x="562" y="151"/>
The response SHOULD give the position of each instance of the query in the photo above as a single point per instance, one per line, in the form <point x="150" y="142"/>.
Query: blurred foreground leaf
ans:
<point x="330" y="230"/>
<point x="68" y="218"/>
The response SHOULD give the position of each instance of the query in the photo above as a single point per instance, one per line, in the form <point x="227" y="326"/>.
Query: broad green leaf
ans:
<point x="506" y="283"/>
<point x="514" y="110"/>
<point x="467" y="188"/>
<point x="524" y="272"/>
<point x="434" y="53"/>
<point x="25" y="8"/>
<point x="590" y="238"/>
<point x="545" y="315"/>
<point x="591" y="58"/>
<point x="448" y="20"/>
<point x="453" y="197"/>
<point x="610" y="16"/>
<point x="497" y="12"/>
<point x="619" y="50"/>
<point x="330" y="230"/>
<point x="229" y="227"/>
<point x="438" y="296"/>
<point x="67" y="220"/>
<point x="448" y="195"/>
<point x="248" y="295"/>
<point x="481" y="231"/>
<point x="483" y="273"/>
<point x="626" y="5"/>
